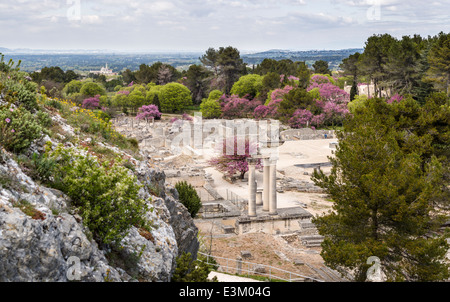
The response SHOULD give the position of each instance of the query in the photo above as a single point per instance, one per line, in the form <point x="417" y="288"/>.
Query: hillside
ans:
<point x="78" y="202"/>
<point x="333" y="57"/>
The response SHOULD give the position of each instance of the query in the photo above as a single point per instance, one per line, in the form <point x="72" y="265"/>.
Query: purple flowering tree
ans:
<point x="318" y="120"/>
<point x="235" y="162"/>
<point x="318" y="79"/>
<point x="261" y="112"/>
<point x="236" y="107"/>
<point x="148" y="112"/>
<point x="269" y="111"/>
<point x="329" y="92"/>
<point x="278" y="94"/>
<point x="92" y="103"/>
<point x="335" y="113"/>
<point x="301" y="119"/>
<point x="395" y="98"/>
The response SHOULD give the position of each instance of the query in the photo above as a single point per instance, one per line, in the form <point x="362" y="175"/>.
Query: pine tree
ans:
<point x="386" y="182"/>
<point x="439" y="60"/>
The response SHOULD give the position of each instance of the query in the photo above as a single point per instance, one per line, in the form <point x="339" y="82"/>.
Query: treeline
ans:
<point x="411" y="65"/>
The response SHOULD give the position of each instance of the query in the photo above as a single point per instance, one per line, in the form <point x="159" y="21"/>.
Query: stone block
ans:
<point x="246" y="255"/>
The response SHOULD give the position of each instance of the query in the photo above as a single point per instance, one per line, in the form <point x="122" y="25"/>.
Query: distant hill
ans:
<point x="84" y="60"/>
<point x="4" y="50"/>
<point x="333" y="57"/>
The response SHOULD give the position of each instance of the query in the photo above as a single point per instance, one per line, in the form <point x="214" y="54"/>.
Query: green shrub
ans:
<point x="53" y="103"/>
<point x="92" y="89"/>
<point x="210" y="109"/>
<point x="18" y="128"/>
<point x="188" y="197"/>
<point x="44" y="119"/>
<point x="21" y="93"/>
<point x="215" y="95"/>
<point x="248" y="85"/>
<point x="42" y="167"/>
<point x="72" y="87"/>
<point x="189" y="270"/>
<point x="102" y="115"/>
<point x="174" y="97"/>
<point x="105" y="193"/>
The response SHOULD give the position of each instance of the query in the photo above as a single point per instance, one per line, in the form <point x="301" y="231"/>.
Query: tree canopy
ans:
<point x="174" y="97"/>
<point x="389" y="189"/>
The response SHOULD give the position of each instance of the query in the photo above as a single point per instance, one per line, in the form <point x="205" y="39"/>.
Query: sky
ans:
<point x="196" y="25"/>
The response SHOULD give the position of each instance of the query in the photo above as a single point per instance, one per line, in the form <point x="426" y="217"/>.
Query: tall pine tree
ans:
<point x="388" y="187"/>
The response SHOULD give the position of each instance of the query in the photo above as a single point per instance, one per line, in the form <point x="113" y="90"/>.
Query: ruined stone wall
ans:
<point x="306" y="134"/>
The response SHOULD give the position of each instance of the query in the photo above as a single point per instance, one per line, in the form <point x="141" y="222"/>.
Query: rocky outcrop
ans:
<point x="185" y="230"/>
<point x="177" y="215"/>
<point x="49" y="246"/>
<point x="53" y="249"/>
<point x="41" y="239"/>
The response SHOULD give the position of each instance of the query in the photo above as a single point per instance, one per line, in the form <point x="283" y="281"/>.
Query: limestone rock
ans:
<point x="57" y="247"/>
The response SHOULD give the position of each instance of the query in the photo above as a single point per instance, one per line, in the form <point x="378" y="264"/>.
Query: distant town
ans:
<point x="85" y="61"/>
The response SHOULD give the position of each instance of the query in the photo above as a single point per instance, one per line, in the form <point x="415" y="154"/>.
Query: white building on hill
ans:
<point x="103" y="71"/>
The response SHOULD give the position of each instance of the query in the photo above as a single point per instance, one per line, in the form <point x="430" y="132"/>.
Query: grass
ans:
<point x="88" y="122"/>
<point x="28" y="209"/>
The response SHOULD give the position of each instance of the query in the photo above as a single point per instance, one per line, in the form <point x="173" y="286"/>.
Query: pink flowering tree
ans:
<point x="92" y="103"/>
<point x="332" y="102"/>
<point x="318" y="79"/>
<point x="318" y="120"/>
<point x="148" y="112"/>
<point x="293" y="81"/>
<point x="278" y="94"/>
<point x="261" y="112"/>
<point x="301" y="119"/>
<point x="395" y="98"/>
<point x="270" y="108"/>
<point x="269" y="111"/>
<point x="234" y="154"/>
<point x="236" y="107"/>
<point x="329" y="92"/>
<point x="335" y="113"/>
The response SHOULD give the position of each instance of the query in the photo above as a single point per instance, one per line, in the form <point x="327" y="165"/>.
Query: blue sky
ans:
<point x="195" y="25"/>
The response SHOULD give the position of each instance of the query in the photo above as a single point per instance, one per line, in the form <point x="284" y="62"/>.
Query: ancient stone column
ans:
<point x="273" y="188"/>
<point x="258" y="196"/>
<point x="266" y="184"/>
<point x="251" y="188"/>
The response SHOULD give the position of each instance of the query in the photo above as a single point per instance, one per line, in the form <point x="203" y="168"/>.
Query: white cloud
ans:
<point x="200" y="23"/>
<point x="90" y="19"/>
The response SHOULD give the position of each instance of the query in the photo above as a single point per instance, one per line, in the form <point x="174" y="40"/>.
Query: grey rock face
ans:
<point x="175" y="214"/>
<point x="35" y="250"/>
<point x="185" y="230"/>
<point x="55" y="246"/>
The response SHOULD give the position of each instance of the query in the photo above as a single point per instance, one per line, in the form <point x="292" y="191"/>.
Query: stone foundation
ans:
<point x="288" y="220"/>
